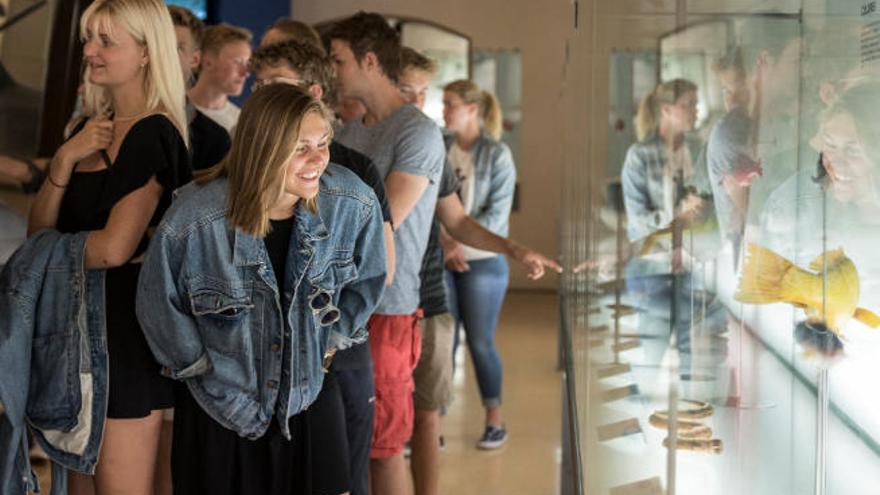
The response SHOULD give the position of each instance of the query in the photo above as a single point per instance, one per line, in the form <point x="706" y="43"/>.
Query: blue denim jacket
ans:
<point x="495" y="180"/>
<point x="647" y="187"/>
<point x="210" y="309"/>
<point x="54" y="355"/>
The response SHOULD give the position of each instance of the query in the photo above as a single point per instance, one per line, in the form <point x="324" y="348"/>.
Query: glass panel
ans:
<point x="720" y="214"/>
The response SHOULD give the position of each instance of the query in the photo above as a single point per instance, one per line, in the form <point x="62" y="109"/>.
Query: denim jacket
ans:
<point x="54" y="355"/>
<point x="494" y="182"/>
<point x="650" y="195"/>
<point x="210" y="308"/>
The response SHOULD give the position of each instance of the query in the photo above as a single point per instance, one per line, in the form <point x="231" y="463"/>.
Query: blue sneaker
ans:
<point x="493" y="437"/>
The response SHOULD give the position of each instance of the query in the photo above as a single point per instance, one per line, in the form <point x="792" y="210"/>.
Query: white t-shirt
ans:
<point x="226" y="116"/>
<point x="463" y="165"/>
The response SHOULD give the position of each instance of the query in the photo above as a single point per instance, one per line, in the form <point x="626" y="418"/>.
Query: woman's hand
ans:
<point x="453" y="257"/>
<point x="95" y="136"/>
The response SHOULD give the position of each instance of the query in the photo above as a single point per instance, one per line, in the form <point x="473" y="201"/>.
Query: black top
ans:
<point x="432" y="292"/>
<point x="209" y="141"/>
<point x="361" y="165"/>
<point x="152" y="148"/>
<point x="277" y="245"/>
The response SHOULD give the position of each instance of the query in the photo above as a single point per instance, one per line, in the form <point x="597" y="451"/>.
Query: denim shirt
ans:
<point x="494" y="183"/>
<point x="209" y="305"/>
<point x="54" y="355"/>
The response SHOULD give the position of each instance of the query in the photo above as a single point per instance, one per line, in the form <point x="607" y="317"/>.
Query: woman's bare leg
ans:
<point x="128" y="456"/>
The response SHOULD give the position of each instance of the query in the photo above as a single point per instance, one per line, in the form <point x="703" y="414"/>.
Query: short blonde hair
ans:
<point x="220" y="35"/>
<point x="264" y="141"/>
<point x="412" y="59"/>
<point x="149" y="23"/>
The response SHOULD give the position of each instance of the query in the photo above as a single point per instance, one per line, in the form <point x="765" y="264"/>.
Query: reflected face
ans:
<point x="457" y="115"/>
<point x="310" y="157"/>
<point x="349" y="73"/>
<point x="843" y="155"/>
<point x="113" y="60"/>
<point x="682" y="115"/>
<point x="187" y="50"/>
<point x="228" y="68"/>
<point x="413" y="83"/>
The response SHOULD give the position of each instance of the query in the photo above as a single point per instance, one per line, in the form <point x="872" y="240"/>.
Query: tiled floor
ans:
<point x="529" y="463"/>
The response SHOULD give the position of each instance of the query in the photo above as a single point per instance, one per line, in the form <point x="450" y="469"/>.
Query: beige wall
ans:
<point x="539" y="30"/>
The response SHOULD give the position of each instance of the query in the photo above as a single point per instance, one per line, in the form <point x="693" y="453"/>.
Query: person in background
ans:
<point x="304" y="65"/>
<point x="729" y="152"/>
<point x="433" y="374"/>
<point x="209" y="141"/>
<point x="659" y="187"/>
<point x="476" y="279"/>
<point x="416" y="73"/>
<point x="407" y="149"/>
<point x="286" y="29"/>
<point x="114" y="177"/>
<point x="263" y="266"/>
<point x="223" y="71"/>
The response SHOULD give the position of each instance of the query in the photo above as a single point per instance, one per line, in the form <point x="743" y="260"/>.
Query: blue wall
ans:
<point x="255" y="15"/>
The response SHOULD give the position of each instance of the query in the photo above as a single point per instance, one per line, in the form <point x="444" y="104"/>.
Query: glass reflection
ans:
<point x="745" y="273"/>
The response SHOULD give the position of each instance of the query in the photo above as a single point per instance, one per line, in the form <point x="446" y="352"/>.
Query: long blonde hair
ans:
<point x="648" y="118"/>
<point x="265" y="139"/>
<point x="149" y="23"/>
<point x="489" y="108"/>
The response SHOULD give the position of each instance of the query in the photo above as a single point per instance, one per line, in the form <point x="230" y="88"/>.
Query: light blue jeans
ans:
<point x="475" y="299"/>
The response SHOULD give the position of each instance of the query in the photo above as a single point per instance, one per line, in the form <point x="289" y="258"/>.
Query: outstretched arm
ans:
<point x="462" y="228"/>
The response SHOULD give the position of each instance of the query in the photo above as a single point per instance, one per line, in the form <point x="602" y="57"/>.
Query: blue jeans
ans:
<point x="475" y="299"/>
<point x="652" y="294"/>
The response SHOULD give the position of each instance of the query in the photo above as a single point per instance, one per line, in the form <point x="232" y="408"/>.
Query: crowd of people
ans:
<point x="266" y="298"/>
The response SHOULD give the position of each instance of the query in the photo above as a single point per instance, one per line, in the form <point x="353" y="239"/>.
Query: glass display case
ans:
<point x="723" y="234"/>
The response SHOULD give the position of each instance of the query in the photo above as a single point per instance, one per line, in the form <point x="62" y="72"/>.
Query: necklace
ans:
<point x="117" y="118"/>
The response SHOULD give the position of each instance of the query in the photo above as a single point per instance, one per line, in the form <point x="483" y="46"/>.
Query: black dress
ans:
<point x="152" y="148"/>
<point x="208" y="458"/>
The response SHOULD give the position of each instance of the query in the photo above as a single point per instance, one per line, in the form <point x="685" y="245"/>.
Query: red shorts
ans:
<point x="395" y="344"/>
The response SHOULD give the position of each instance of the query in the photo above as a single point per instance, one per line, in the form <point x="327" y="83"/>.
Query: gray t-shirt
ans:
<point x="727" y="148"/>
<point x="406" y="141"/>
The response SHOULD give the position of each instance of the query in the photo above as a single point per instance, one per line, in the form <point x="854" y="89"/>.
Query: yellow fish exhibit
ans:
<point x="768" y="278"/>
